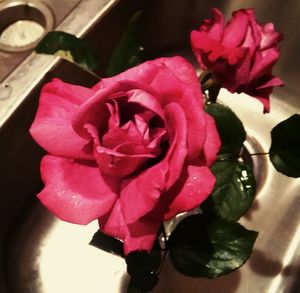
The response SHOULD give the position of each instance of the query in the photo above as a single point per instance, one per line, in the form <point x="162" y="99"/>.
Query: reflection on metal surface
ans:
<point x="89" y="269"/>
<point x="21" y="33"/>
<point x="47" y="13"/>
<point x="45" y="255"/>
<point x="291" y="251"/>
<point x="259" y="162"/>
<point x="30" y="72"/>
<point x="23" y="23"/>
<point x="5" y="92"/>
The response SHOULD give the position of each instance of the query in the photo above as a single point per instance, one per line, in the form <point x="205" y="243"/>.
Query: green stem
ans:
<point x="165" y="250"/>
<point x="162" y="262"/>
<point x="210" y="86"/>
<point x="204" y="76"/>
<point x="164" y="233"/>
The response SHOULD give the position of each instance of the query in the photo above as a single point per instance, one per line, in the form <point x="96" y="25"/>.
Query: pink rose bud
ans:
<point x="241" y="53"/>
<point x="133" y="151"/>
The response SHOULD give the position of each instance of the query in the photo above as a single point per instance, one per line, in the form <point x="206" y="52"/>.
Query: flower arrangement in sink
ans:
<point x="150" y="146"/>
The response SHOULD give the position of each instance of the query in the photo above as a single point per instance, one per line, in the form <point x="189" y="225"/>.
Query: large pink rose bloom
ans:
<point x="241" y="53"/>
<point x="132" y="152"/>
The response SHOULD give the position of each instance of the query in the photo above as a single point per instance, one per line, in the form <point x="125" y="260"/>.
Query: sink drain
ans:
<point x="23" y="24"/>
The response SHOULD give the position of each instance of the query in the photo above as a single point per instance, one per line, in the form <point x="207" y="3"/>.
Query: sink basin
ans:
<point x="40" y="253"/>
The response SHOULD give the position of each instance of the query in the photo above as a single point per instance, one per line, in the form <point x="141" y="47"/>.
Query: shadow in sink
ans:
<point x="43" y="254"/>
<point x="293" y="273"/>
<point x="172" y="282"/>
<point x="20" y="180"/>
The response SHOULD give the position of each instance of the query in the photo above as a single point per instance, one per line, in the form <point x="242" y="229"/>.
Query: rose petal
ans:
<point x="145" y="189"/>
<point x="200" y="51"/>
<point x="67" y="194"/>
<point x="236" y="81"/>
<point x="177" y="71"/>
<point x="273" y="81"/>
<point x="143" y="74"/>
<point x="95" y="112"/>
<point x="113" y="222"/>
<point x="137" y="150"/>
<point x="52" y="128"/>
<point x="138" y="236"/>
<point x="263" y="63"/>
<point x="73" y="93"/>
<point x="184" y="71"/>
<point x="114" y="119"/>
<point x="201" y="40"/>
<point x="117" y="166"/>
<point x="142" y="123"/>
<point x="146" y="100"/>
<point x="177" y="128"/>
<point x="157" y="135"/>
<point x="190" y="191"/>
<point x="253" y="36"/>
<point x="216" y="25"/>
<point x="142" y="235"/>
<point x="263" y="96"/>
<point x="160" y="76"/>
<point x="212" y="143"/>
<point x="112" y="162"/>
<point x="242" y="60"/>
<point x="127" y="133"/>
<point x="236" y="29"/>
<point x="270" y="37"/>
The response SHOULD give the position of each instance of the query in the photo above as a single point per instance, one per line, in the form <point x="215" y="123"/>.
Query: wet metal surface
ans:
<point x="22" y="25"/>
<point x="47" y="13"/>
<point x="21" y="33"/>
<point x="45" y="255"/>
<point x="25" y="77"/>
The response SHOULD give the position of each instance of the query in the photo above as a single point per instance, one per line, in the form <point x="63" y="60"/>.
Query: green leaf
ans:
<point x="230" y="128"/>
<point x="202" y="247"/>
<point x="142" y="267"/>
<point x="285" y="146"/>
<point x="141" y="263"/>
<point x="107" y="243"/>
<point x="70" y="48"/>
<point x="233" y="193"/>
<point x="142" y="284"/>
<point x="129" y="51"/>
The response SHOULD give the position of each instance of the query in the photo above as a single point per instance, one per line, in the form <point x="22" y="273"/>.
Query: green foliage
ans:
<point x="142" y="267"/>
<point x="204" y="247"/>
<point x="107" y="243"/>
<point x="142" y="284"/>
<point x="285" y="146"/>
<point x="70" y="48"/>
<point x="129" y="51"/>
<point x="233" y="193"/>
<point x="230" y="128"/>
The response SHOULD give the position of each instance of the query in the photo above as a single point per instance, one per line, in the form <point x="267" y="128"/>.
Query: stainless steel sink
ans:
<point x="42" y="254"/>
<point x="48" y="13"/>
<point x="77" y="20"/>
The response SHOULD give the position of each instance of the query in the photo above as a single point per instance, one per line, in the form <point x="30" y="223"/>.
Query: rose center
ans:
<point x="134" y="136"/>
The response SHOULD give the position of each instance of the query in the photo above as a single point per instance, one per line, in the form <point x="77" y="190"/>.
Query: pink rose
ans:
<point x="241" y="53"/>
<point x="133" y="151"/>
